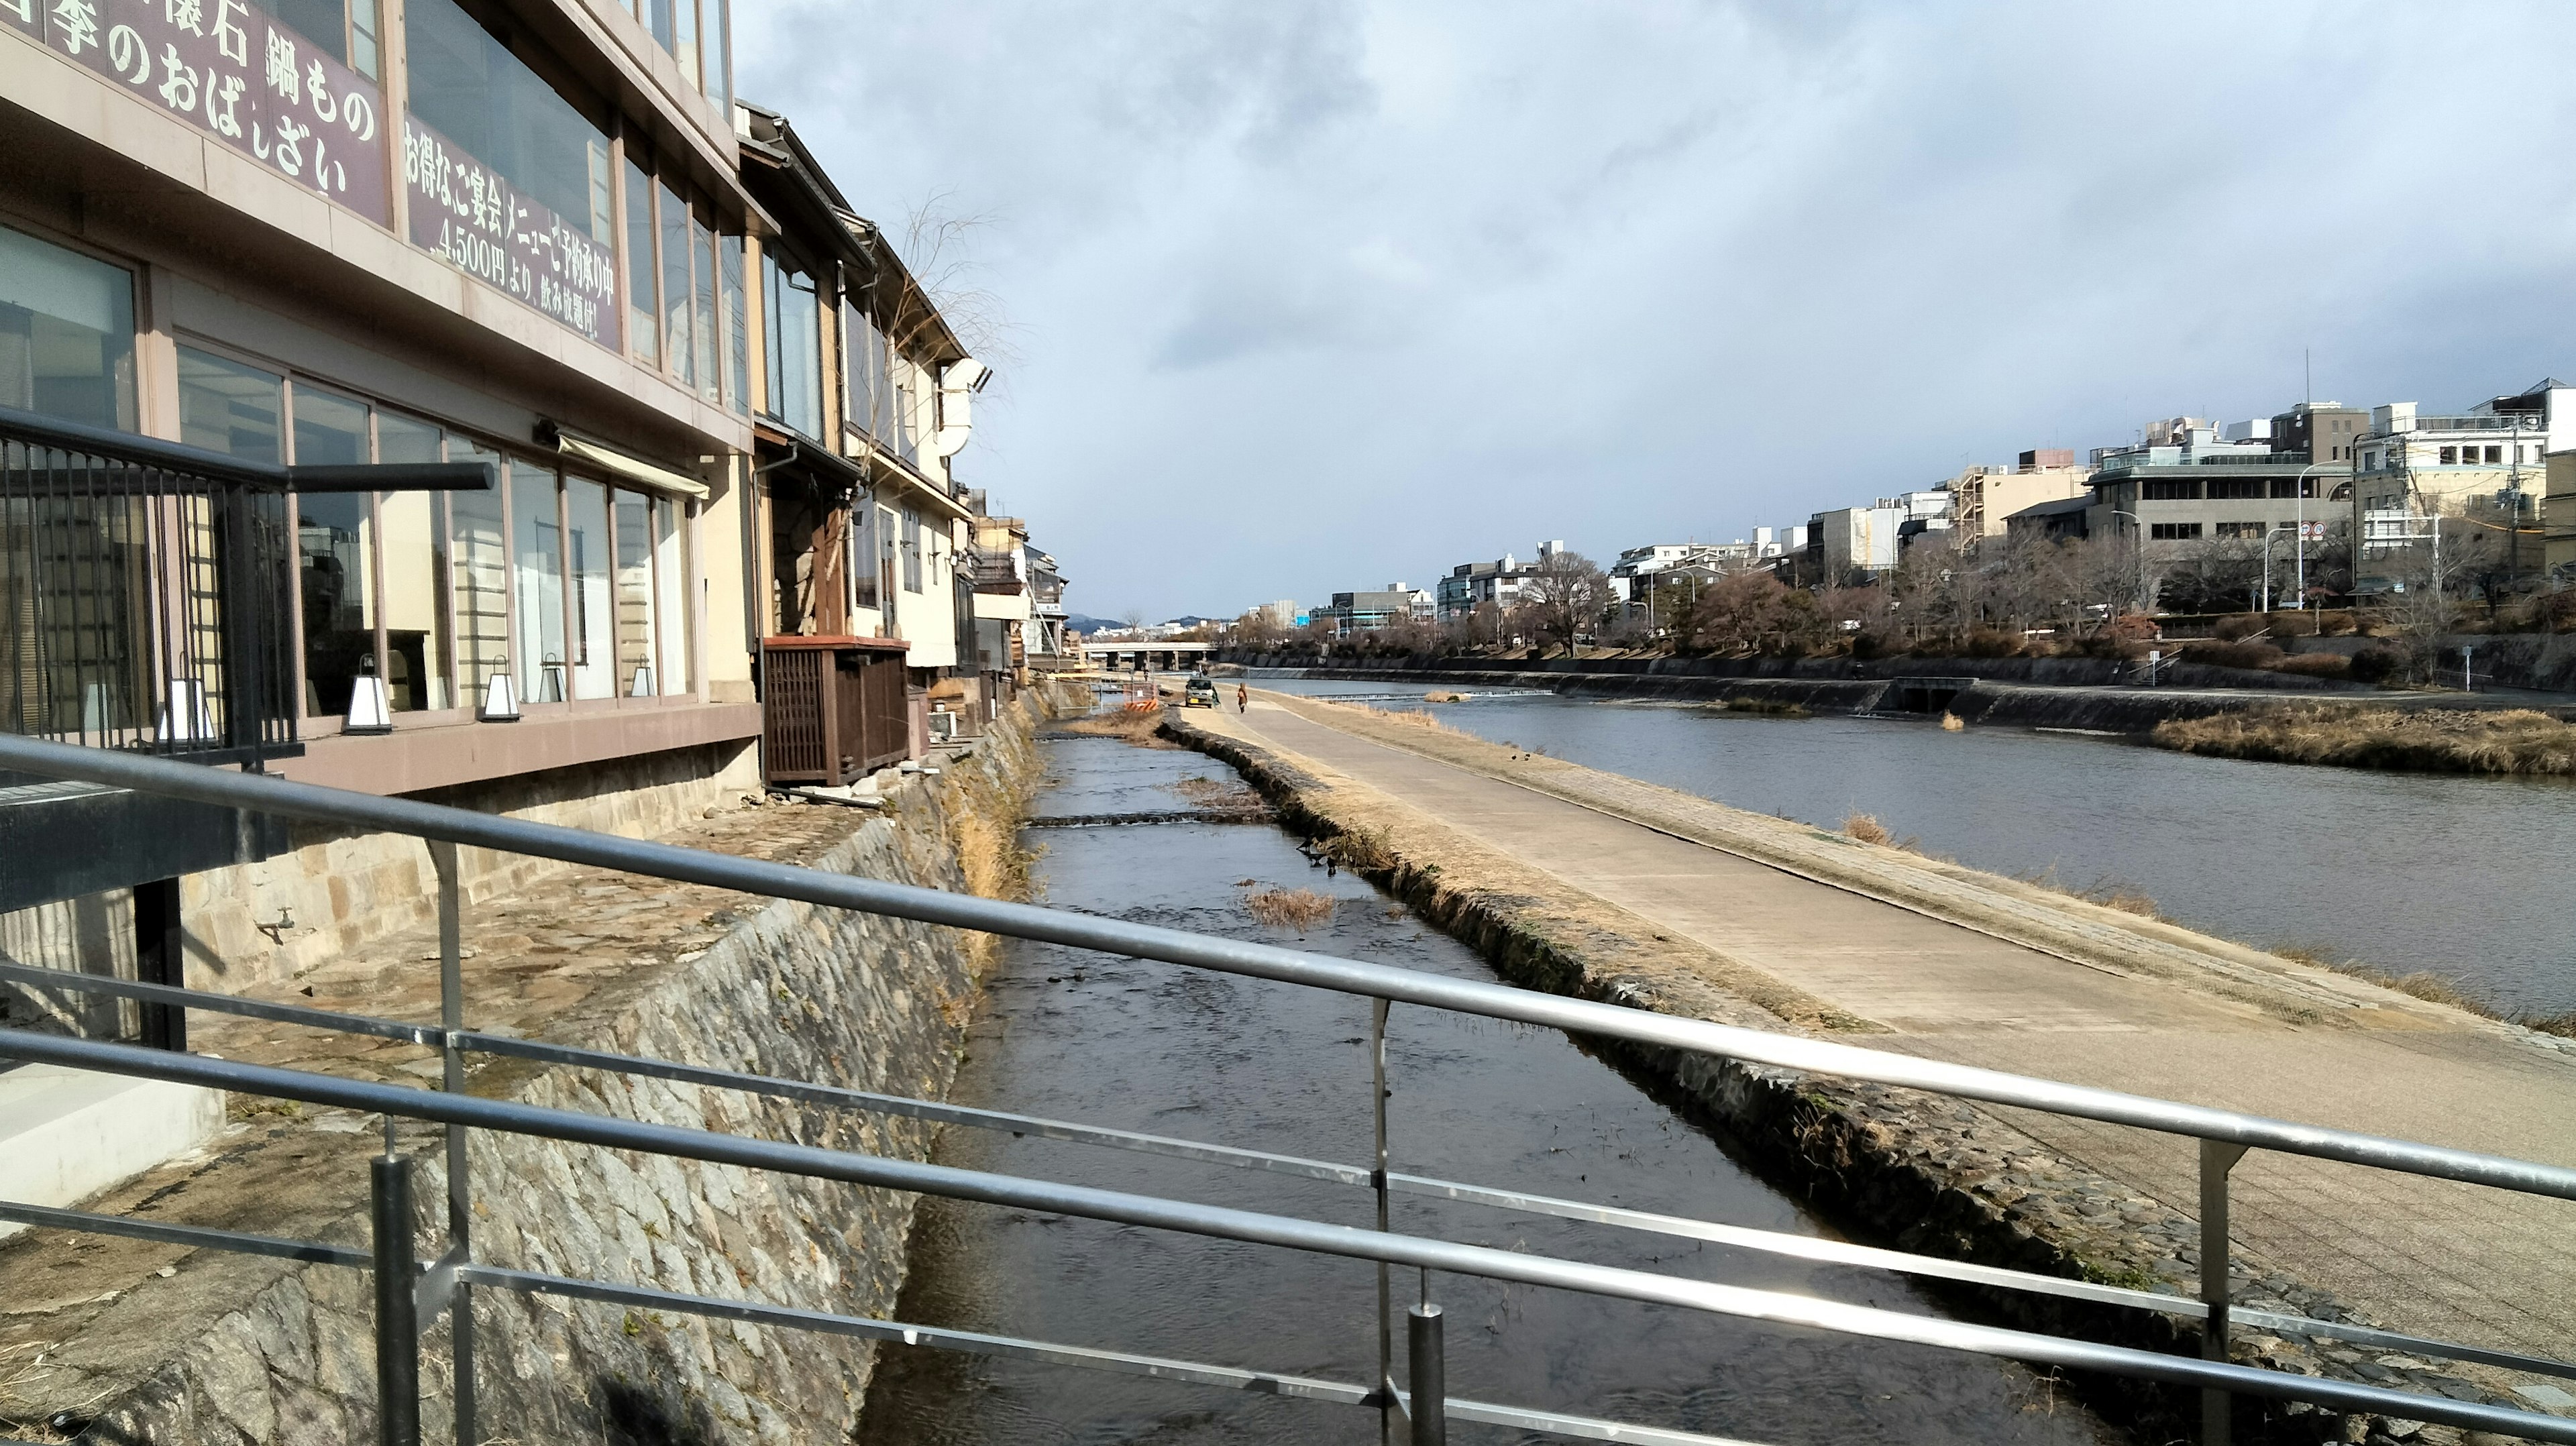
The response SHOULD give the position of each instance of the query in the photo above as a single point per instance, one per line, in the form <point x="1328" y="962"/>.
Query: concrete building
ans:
<point x="2201" y="487"/>
<point x="1773" y="543"/>
<point x="2487" y="461"/>
<point x="2322" y="431"/>
<point x="1367" y="611"/>
<point x="1927" y="515"/>
<point x="1471" y="585"/>
<point x="2558" y="519"/>
<point x="1983" y="499"/>
<point x="545" y="239"/>
<point x="1849" y="544"/>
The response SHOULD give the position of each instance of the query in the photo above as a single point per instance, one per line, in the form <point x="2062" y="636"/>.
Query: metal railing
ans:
<point x="411" y="1294"/>
<point x="144" y="587"/>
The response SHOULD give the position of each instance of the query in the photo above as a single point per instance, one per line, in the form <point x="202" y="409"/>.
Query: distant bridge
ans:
<point x="1116" y="655"/>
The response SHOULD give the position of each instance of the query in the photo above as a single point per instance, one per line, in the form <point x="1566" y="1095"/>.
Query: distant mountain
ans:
<point x="1079" y="623"/>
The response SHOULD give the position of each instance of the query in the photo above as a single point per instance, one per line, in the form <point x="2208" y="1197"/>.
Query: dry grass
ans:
<point x="1436" y="696"/>
<point x="1861" y="828"/>
<point x="1360" y="849"/>
<point x="1134" y="722"/>
<point x="1952" y="722"/>
<point x="1412" y="717"/>
<point x="1767" y="707"/>
<point x="1217" y="794"/>
<point x="1298" y="909"/>
<point x="2349" y="735"/>
<point x="2428" y="986"/>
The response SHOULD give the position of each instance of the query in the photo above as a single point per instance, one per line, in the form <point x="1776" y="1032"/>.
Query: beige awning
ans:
<point x="633" y="469"/>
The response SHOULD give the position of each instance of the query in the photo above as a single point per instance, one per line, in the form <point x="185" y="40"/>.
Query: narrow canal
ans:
<point x="1174" y="1051"/>
<point x="2464" y="876"/>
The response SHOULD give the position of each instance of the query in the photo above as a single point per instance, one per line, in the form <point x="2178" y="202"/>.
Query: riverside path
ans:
<point x="1986" y="971"/>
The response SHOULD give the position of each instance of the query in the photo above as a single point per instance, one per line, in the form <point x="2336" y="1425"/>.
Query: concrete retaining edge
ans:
<point x="1913" y="1171"/>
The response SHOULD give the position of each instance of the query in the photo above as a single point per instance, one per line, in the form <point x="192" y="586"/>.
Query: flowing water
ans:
<point x="2464" y="876"/>
<point x="1182" y="1052"/>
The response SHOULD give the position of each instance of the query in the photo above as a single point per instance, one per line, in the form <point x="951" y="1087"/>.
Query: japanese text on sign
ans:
<point x="472" y="215"/>
<point x="235" y="74"/>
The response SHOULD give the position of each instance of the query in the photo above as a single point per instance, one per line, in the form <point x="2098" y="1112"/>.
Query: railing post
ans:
<point x="1430" y="1391"/>
<point x="2217" y="1157"/>
<point x="158" y="959"/>
<point x="460" y="1199"/>
<point x="397" y="1318"/>
<point x="1385" y="1296"/>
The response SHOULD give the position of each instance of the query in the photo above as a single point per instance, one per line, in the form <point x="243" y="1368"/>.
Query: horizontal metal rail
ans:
<point x="1771" y="1242"/>
<point x="198" y="1236"/>
<point x="1775" y="1307"/>
<point x="268" y="794"/>
<point x="34" y="429"/>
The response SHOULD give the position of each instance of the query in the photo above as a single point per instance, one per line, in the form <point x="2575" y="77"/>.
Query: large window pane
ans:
<point x="737" y="329"/>
<point x="594" y="645"/>
<point x="719" y="44"/>
<point x="684" y="37"/>
<point x="328" y="24"/>
<point x="863" y="556"/>
<point x="795" y="347"/>
<point x="335" y="544"/>
<point x="643" y="280"/>
<point x="478" y="555"/>
<point x="66" y="334"/>
<point x="536" y="576"/>
<point x="225" y="406"/>
<point x="467" y="86"/>
<point x="702" y="267"/>
<point x="635" y="595"/>
<point x="675" y="285"/>
<point x="671" y="570"/>
<point x="657" y="18"/>
<point x="414" y="561"/>
<point x="912" y="543"/>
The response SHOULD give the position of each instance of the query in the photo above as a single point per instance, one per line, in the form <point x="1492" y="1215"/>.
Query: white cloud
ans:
<point x="1314" y="296"/>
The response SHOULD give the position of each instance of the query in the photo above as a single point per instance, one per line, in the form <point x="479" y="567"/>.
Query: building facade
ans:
<point x="2487" y="462"/>
<point x="1984" y="498"/>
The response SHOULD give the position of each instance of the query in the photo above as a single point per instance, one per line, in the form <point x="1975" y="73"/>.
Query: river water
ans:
<point x="1174" y="1051"/>
<point x="2464" y="876"/>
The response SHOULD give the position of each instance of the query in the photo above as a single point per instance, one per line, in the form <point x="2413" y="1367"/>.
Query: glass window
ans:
<point x="737" y="329"/>
<point x="536" y="575"/>
<point x="414" y="560"/>
<point x="467" y="86"/>
<point x="326" y="24"/>
<point x="478" y="556"/>
<point x="657" y="18"/>
<point x="66" y="334"/>
<point x="225" y="406"/>
<point x="702" y="267"/>
<point x="671" y="570"/>
<point x="911" y="550"/>
<point x="335" y="546"/>
<point x="719" y="26"/>
<point x="863" y="556"/>
<point x="642" y="278"/>
<point x="684" y="39"/>
<point x="795" y="347"/>
<point x="675" y="286"/>
<point x="886" y="564"/>
<point x="636" y="595"/>
<point x="586" y="548"/>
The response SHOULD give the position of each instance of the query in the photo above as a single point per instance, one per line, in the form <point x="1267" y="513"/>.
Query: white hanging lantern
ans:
<point x="642" y="686"/>
<point x="550" y="680"/>
<point x="185" y="717"/>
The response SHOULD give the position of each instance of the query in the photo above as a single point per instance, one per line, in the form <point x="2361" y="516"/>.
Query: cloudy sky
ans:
<point x="1300" y="296"/>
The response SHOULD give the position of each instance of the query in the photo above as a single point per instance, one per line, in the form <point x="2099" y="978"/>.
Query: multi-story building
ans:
<point x="1369" y="610"/>
<point x="2324" y="431"/>
<point x="1850" y="544"/>
<point x="2558" y="519"/>
<point x="1983" y="497"/>
<point x="2199" y="487"/>
<point x="1771" y="544"/>
<point x="2488" y="460"/>
<point x="537" y="236"/>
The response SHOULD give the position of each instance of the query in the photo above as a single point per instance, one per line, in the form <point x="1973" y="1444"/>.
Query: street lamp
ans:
<point x="2300" y="491"/>
<point x="2267" y="568"/>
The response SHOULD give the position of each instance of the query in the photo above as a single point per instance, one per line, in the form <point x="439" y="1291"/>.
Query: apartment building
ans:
<point x="2487" y="461"/>
<point x="1849" y="544"/>
<point x="1368" y="610"/>
<point x="2198" y="486"/>
<point x="1982" y="498"/>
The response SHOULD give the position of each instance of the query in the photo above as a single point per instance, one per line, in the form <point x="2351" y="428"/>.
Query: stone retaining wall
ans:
<point x="788" y="989"/>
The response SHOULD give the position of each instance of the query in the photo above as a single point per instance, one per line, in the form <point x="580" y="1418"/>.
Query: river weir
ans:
<point x="1176" y="1052"/>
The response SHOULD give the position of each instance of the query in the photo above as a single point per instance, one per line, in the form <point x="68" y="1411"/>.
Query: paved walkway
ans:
<point x="2450" y="1261"/>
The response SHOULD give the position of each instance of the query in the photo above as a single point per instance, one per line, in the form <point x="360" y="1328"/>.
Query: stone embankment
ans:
<point x="127" y="1341"/>
<point x="2076" y="693"/>
<point x="1919" y="1172"/>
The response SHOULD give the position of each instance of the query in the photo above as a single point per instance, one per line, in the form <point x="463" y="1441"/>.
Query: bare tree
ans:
<point x="1564" y="597"/>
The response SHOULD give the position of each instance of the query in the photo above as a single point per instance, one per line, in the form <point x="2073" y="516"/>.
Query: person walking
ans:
<point x="1242" y="697"/>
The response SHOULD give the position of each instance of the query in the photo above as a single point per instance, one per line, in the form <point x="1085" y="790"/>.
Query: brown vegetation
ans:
<point x="1861" y="828"/>
<point x="2428" y="986"/>
<point x="1436" y="696"/>
<point x="1217" y="794"/>
<point x="1135" y="723"/>
<point x="2352" y="735"/>
<point x="1298" y="909"/>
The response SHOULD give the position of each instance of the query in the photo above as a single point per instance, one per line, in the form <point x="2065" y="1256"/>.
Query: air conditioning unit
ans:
<point x="943" y="726"/>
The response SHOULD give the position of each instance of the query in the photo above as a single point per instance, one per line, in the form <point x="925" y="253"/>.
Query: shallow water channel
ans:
<point x="2464" y="876"/>
<point x="1182" y="1052"/>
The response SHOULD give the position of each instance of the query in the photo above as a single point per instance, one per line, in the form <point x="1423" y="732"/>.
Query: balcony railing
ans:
<point x="986" y="570"/>
<point x="144" y="599"/>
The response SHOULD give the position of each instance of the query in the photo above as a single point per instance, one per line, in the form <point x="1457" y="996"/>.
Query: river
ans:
<point x="2460" y="875"/>
<point x="1181" y="1052"/>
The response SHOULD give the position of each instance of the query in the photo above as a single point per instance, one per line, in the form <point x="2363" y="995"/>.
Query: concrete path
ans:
<point x="2449" y="1261"/>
